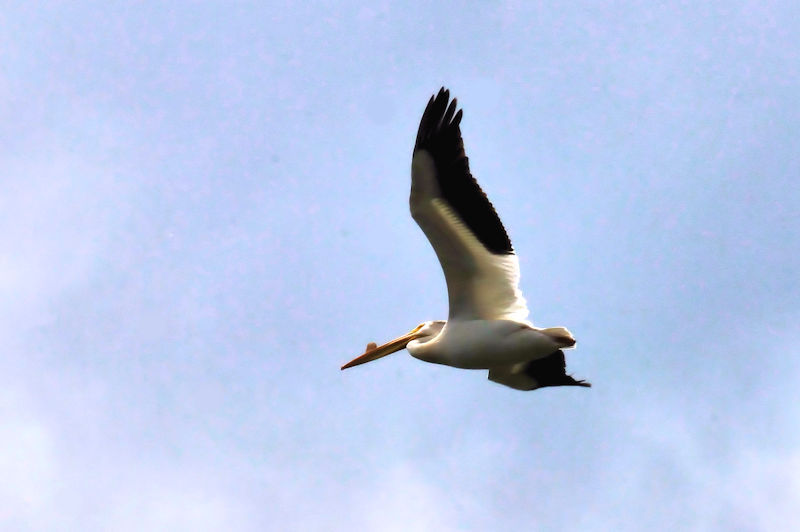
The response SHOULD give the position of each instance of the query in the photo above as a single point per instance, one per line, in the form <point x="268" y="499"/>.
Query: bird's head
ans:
<point x="423" y="332"/>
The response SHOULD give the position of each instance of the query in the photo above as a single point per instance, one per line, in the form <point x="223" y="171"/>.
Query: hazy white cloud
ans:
<point x="28" y="468"/>
<point x="56" y="216"/>
<point x="171" y="500"/>
<point x="760" y="489"/>
<point x="50" y="481"/>
<point x="403" y="499"/>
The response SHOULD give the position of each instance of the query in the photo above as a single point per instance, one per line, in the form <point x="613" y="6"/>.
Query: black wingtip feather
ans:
<point x="439" y="134"/>
<point x="552" y="371"/>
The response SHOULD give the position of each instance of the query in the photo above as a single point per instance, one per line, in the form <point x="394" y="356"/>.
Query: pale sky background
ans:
<point x="203" y="214"/>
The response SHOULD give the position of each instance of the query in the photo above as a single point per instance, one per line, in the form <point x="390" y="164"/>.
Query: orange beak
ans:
<point x="375" y="352"/>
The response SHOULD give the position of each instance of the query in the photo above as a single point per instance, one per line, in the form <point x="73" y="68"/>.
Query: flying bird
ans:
<point x="487" y="326"/>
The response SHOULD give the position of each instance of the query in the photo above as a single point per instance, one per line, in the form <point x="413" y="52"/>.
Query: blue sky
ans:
<point x="203" y="214"/>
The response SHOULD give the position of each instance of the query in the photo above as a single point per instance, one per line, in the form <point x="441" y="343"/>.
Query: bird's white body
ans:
<point x="487" y="326"/>
<point x="483" y="344"/>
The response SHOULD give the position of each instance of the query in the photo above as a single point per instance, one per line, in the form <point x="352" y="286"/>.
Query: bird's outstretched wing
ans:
<point x="480" y="267"/>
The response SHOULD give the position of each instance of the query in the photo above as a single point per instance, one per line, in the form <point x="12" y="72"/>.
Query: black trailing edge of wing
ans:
<point x="440" y="135"/>
<point x="552" y="371"/>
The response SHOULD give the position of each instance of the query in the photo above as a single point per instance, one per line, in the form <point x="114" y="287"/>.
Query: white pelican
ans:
<point x="487" y="326"/>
